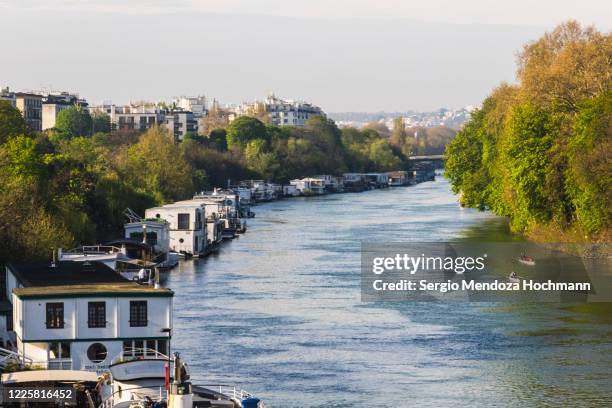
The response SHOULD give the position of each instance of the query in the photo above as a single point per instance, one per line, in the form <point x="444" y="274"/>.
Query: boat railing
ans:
<point x="93" y="250"/>
<point x="230" y="390"/>
<point x="138" y="353"/>
<point x="9" y="356"/>
<point x="161" y="395"/>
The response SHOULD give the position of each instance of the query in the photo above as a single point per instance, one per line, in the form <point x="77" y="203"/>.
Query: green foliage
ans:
<point x="74" y="121"/>
<point x="244" y="129"/>
<point x="157" y="166"/>
<point x="540" y="152"/>
<point x="11" y="122"/>
<point x="218" y="139"/>
<point x="100" y="122"/>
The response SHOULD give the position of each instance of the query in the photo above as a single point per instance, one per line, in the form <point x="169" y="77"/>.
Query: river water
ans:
<point x="278" y="311"/>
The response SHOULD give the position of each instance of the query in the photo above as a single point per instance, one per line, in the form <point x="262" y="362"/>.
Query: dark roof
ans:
<point x="129" y="243"/>
<point x="64" y="273"/>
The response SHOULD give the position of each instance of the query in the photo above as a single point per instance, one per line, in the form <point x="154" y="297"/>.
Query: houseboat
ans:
<point x="331" y="183"/>
<point x="309" y="186"/>
<point x="355" y="182"/>
<point x="377" y="180"/>
<point x="80" y="315"/>
<point x="397" y="178"/>
<point x="187" y="227"/>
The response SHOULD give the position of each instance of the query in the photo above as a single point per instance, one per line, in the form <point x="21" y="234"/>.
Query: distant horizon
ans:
<point x="365" y="58"/>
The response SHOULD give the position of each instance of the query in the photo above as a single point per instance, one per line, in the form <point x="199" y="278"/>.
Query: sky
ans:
<point x="343" y="55"/>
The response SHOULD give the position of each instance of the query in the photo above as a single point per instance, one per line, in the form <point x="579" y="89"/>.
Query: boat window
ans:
<point x="59" y="350"/>
<point x="55" y="315"/>
<point x="128" y="349"/>
<point x="96" y="314"/>
<point x="162" y="347"/>
<point x="150" y="347"/>
<point x="96" y="353"/>
<point x="138" y="313"/>
<point x="183" y="221"/>
<point x="138" y="348"/>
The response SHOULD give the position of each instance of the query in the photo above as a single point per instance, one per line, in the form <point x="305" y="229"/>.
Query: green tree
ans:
<point x="74" y="121"/>
<point x="100" y="122"/>
<point x="11" y="122"/>
<point x="244" y="129"/>
<point x="156" y="165"/>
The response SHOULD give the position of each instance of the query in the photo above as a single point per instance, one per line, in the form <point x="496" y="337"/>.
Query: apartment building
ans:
<point x="30" y="106"/>
<point x="281" y="112"/>
<point x="54" y="103"/>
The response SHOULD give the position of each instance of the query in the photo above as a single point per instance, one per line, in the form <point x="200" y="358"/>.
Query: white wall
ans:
<point x="75" y="319"/>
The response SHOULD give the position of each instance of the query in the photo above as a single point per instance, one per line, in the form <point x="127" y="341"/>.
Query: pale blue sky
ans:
<point x="345" y="55"/>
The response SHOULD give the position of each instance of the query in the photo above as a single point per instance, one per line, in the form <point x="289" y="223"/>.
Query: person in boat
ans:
<point x="513" y="275"/>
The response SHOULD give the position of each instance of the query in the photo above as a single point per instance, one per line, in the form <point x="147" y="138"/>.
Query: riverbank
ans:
<point x="279" y="310"/>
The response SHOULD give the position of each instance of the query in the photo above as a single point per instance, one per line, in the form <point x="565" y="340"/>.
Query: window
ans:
<point x="138" y="313"/>
<point x="59" y="350"/>
<point x="96" y="314"/>
<point x="96" y="353"/>
<point x="55" y="315"/>
<point x="162" y="347"/>
<point x="151" y="237"/>
<point x="183" y="221"/>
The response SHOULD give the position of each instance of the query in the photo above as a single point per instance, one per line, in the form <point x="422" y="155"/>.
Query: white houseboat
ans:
<point x="309" y="186"/>
<point x="187" y="223"/>
<point x="82" y="315"/>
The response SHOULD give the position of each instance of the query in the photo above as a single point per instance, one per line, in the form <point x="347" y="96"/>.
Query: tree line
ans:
<point x="539" y="151"/>
<point x="70" y="185"/>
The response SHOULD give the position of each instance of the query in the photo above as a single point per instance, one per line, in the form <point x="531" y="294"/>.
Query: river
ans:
<point x="278" y="311"/>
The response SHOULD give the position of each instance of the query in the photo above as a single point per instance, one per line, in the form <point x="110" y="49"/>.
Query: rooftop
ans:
<point x="69" y="278"/>
<point x="64" y="273"/>
<point x="97" y="289"/>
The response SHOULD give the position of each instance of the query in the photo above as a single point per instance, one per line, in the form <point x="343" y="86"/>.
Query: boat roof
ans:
<point x="49" y="375"/>
<point x="127" y="288"/>
<point x="129" y="242"/>
<point x="64" y="273"/>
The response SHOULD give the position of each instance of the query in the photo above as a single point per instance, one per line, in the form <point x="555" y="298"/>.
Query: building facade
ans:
<point x="30" y="106"/>
<point x="54" y="103"/>
<point x="83" y="315"/>
<point x="281" y="112"/>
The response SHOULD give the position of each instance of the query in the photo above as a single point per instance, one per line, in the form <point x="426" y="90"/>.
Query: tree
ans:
<point x="156" y="165"/>
<point x="74" y="121"/>
<point x="100" y="122"/>
<point x="11" y="122"/>
<point x="218" y="139"/>
<point x="398" y="136"/>
<point x="244" y="129"/>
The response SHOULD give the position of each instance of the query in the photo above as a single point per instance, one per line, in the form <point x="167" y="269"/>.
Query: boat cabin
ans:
<point x="82" y="315"/>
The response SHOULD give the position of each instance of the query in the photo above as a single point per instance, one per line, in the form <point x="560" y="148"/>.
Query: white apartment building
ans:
<point x="83" y="315"/>
<point x="194" y="104"/>
<point x="282" y="112"/>
<point x="142" y="117"/>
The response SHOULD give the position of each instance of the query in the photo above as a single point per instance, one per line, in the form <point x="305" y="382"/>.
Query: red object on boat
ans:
<point x="167" y="376"/>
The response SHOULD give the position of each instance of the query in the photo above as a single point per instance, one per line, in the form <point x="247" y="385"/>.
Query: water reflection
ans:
<point x="279" y="311"/>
